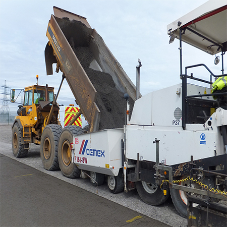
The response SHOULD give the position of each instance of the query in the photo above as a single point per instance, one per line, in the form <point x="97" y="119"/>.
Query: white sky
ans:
<point x="131" y="29"/>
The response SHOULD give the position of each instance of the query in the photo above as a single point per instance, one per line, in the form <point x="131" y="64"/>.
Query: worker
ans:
<point x="220" y="83"/>
<point x="41" y="96"/>
<point x="38" y="99"/>
<point x="220" y="86"/>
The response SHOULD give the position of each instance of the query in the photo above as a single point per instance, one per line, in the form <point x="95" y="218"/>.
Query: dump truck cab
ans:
<point x="37" y="103"/>
<point x="33" y="95"/>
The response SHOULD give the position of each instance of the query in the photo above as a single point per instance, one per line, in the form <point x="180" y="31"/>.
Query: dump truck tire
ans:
<point x="151" y="193"/>
<point x="97" y="179"/>
<point x="115" y="183"/>
<point x="86" y="129"/>
<point x="49" y="146"/>
<point x="68" y="168"/>
<point x="18" y="148"/>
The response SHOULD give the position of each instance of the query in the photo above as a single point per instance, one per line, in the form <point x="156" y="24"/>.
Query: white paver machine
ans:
<point x="175" y="140"/>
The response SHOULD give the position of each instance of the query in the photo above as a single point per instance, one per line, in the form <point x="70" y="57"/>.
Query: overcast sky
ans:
<point x="131" y="29"/>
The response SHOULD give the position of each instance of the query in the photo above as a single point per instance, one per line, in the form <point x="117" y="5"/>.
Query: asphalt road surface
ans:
<point x="32" y="196"/>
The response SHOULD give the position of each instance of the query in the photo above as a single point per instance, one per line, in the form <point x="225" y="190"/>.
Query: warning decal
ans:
<point x="70" y="112"/>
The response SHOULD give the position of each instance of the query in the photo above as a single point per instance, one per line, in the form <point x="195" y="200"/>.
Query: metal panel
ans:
<point x="196" y="13"/>
<point x="201" y="215"/>
<point x="99" y="152"/>
<point x="209" y="20"/>
<point x="76" y="77"/>
<point x="172" y="140"/>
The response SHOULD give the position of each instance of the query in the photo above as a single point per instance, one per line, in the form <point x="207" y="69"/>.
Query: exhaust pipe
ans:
<point x="138" y="79"/>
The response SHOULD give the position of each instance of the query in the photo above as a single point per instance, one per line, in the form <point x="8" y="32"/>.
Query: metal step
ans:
<point x="27" y="134"/>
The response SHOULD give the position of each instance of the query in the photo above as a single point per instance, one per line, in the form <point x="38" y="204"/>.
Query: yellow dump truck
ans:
<point x="38" y="110"/>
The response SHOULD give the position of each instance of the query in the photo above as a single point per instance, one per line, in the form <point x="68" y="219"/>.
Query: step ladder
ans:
<point x="27" y="134"/>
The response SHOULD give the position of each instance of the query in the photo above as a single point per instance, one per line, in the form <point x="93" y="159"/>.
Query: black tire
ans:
<point x="86" y="129"/>
<point x="116" y="183"/>
<point x="49" y="146"/>
<point x="179" y="198"/>
<point x="97" y="179"/>
<point x="179" y="205"/>
<point x="68" y="168"/>
<point x="151" y="193"/>
<point x="19" y="149"/>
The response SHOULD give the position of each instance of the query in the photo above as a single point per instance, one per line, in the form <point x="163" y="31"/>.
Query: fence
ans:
<point x="7" y="118"/>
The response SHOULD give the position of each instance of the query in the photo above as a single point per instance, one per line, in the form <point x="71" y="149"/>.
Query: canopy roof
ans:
<point x="205" y="27"/>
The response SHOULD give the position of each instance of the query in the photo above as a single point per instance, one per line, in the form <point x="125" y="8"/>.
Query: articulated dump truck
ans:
<point x="169" y="142"/>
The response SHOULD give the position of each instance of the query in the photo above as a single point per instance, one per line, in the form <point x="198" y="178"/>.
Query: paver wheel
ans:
<point x="180" y="199"/>
<point x="115" y="183"/>
<point x="19" y="149"/>
<point x="97" y="179"/>
<point x="151" y="193"/>
<point x="179" y="204"/>
<point x="49" y="146"/>
<point x="68" y="168"/>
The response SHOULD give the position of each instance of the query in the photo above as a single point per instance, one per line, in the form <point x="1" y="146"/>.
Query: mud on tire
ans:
<point x="49" y="146"/>
<point x="19" y="149"/>
<point x="68" y="168"/>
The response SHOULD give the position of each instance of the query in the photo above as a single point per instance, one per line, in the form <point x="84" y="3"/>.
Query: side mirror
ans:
<point x="12" y="95"/>
<point x="216" y="60"/>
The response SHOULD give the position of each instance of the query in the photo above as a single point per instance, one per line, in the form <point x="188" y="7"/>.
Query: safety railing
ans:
<point x="185" y="97"/>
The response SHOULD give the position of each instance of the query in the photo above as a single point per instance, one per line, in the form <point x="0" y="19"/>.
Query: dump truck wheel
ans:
<point x="115" y="183"/>
<point x="86" y="129"/>
<point x="97" y="179"/>
<point x="151" y="193"/>
<point x="68" y="168"/>
<point x="18" y="148"/>
<point x="49" y="146"/>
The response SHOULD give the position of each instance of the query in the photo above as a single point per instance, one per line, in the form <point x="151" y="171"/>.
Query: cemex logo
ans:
<point x="91" y="152"/>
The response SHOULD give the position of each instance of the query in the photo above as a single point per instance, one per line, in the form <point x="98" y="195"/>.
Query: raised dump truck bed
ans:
<point x="95" y="77"/>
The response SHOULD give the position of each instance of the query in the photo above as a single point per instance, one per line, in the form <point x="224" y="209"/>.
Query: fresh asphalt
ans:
<point x="29" y="197"/>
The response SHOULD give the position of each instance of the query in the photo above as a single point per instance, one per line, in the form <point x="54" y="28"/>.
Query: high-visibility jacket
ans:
<point x="220" y="83"/>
